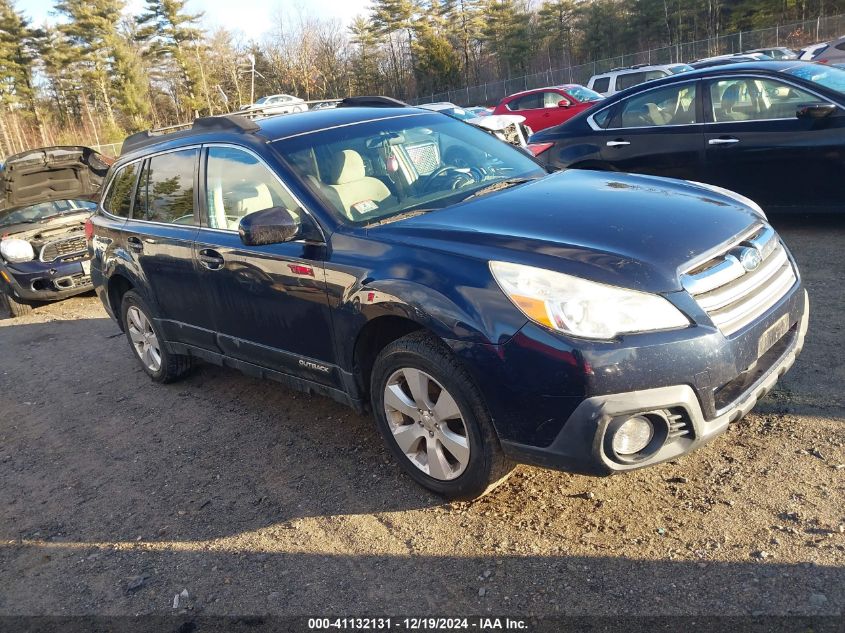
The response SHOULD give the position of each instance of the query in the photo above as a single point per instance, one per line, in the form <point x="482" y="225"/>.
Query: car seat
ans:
<point x="730" y="97"/>
<point x="357" y="192"/>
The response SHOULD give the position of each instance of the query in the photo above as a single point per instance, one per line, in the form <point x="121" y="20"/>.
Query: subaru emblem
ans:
<point x="750" y="258"/>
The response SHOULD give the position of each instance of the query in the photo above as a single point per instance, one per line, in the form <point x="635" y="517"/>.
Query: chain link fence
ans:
<point x="795" y="35"/>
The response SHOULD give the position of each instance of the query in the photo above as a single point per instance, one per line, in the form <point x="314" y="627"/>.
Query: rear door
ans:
<point x="269" y="303"/>
<point x="758" y="146"/>
<point x="160" y="236"/>
<point x="657" y="131"/>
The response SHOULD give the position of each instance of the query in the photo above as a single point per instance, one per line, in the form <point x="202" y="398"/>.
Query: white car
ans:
<point x="619" y="79"/>
<point x="276" y="104"/>
<point x="809" y="52"/>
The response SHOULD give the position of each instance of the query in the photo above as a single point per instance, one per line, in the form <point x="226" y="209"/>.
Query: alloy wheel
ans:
<point x="143" y="338"/>
<point x="426" y="423"/>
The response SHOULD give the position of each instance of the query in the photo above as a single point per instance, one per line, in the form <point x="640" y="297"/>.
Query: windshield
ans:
<point x="44" y="210"/>
<point x="827" y="76"/>
<point x="584" y="94"/>
<point x="371" y="171"/>
<point x="680" y="68"/>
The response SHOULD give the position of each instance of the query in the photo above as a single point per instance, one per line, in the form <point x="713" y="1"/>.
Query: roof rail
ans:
<point x="221" y="123"/>
<point x="372" y="102"/>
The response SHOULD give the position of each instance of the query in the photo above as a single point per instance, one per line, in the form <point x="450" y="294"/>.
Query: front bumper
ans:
<point x="582" y="445"/>
<point x="46" y="281"/>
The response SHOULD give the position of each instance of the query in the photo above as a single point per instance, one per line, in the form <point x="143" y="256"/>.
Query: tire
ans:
<point x="478" y="463"/>
<point x="143" y="334"/>
<point x="13" y="307"/>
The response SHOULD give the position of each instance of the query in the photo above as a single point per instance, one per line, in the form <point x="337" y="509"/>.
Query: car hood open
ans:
<point x="51" y="173"/>
<point x="621" y="229"/>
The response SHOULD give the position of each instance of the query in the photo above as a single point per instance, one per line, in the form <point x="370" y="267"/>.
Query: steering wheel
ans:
<point x="457" y="173"/>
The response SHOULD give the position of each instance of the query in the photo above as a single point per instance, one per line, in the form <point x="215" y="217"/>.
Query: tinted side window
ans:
<point x="672" y="105"/>
<point x="170" y="187"/>
<point x="602" y="119"/>
<point x="629" y="79"/>
<point x="750" y="99"/>
<point x="528" y="102"/>
<point x="237" y="184"/>
<point x="602" y="84"/>
<point x="119" y="199"/>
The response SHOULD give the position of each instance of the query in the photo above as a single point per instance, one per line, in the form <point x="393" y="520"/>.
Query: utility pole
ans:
<point x="252" y="78"/>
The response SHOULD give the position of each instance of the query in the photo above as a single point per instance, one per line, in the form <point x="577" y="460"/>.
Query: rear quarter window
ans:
<point x="118" y="200"/>
<point x="602" y="84"/>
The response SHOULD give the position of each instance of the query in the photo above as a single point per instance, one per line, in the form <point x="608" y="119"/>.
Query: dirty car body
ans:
<point x="47" y="195"/>
<point x="539" y="293"/>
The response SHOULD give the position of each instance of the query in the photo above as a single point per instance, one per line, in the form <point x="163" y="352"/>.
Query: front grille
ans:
<point x="734" y="296"/>
<point x="64" y="247"/>
<point x="425" y="156"/>
<point x="74" y="281"/>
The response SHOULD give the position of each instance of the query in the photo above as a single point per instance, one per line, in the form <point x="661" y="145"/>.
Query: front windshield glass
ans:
<point x="827" y="76"/>
<point x="44" y="210"/>
<point x="583" y="94"/>
<point x="680" y="68"/>
<point x="375" y="170"/>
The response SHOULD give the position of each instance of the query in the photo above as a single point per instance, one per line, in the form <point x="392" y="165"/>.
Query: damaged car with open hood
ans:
<point x="46" y="195"/>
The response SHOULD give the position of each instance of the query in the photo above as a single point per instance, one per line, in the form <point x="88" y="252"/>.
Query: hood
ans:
<point x="626" y="230"/>
<point x="51" y="173"/>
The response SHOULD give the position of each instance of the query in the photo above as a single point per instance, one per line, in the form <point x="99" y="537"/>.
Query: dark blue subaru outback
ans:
<point x="487" y="312"/>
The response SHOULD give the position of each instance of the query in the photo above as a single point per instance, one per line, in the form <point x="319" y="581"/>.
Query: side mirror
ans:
<point x="815" y="111"/>
<point x="563" y="103"/>
<point x="270" y="226"/>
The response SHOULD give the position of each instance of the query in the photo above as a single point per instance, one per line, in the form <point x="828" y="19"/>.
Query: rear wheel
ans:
<point x="434" y="420"/>
<point x="12" y="306"/>
<point x="148" y="344"/>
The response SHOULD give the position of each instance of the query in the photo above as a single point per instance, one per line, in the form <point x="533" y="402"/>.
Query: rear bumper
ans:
<point x="45" y="281"/>
<point x="582" y="445"/>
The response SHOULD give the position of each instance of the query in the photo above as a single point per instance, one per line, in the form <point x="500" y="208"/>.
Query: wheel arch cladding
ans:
<point x="377" y="334"/>
<point x="118" y="286"/>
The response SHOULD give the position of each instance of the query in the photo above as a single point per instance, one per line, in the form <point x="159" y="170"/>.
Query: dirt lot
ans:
<point x="117" y="494"/>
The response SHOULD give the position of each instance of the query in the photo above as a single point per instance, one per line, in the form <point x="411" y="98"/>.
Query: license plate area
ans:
<point x="86" y="266"/>
<point x="772" y="335"/>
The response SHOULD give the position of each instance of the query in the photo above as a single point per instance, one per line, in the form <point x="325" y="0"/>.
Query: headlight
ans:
<point x="734" y="196"/>
<point x="16" y="251"/>
<point x="583" y="308"/>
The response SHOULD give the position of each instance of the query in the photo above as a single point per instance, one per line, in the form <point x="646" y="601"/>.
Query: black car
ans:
<point x="487" y="314"/>
<point x="772" y="131"/>
<point x="45" y="197"/>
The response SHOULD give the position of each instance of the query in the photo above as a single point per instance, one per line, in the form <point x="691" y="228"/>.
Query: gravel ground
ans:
<point x="117" y="494"/>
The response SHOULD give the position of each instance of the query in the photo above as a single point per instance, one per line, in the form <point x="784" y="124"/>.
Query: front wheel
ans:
<point x="12" y="306"/>
<point x="433" y="419"/>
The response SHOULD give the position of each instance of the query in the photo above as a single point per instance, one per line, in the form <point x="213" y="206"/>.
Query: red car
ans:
<point x="545" y="107"/>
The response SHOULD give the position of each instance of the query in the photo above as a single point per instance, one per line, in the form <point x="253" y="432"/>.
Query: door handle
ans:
<point x="211" y="259"/>
<point x="135" y="245"/>
<point x="618" y="143"/>
<point x="722" y="141"/>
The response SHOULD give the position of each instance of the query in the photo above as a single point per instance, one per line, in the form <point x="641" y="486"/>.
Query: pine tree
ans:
<point x="172" y="37"/>
<point x="16" y="57"/>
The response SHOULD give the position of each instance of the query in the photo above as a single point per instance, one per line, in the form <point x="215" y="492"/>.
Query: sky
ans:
<point x="252" y="18"/>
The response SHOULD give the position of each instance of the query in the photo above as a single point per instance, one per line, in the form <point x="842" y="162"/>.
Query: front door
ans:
<point x="269" y="303"/>
<point x="657" y="132"/>
<point x="758" y="146"/>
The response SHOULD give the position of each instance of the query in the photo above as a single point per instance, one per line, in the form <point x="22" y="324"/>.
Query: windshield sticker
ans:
<point x="365" y="206"/>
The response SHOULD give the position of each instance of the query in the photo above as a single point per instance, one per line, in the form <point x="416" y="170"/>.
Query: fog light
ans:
<point x="633" y="435"/>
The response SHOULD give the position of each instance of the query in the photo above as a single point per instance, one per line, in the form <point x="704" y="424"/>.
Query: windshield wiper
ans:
<point x="497" y="186"/>
<point x="399" y="216"/>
